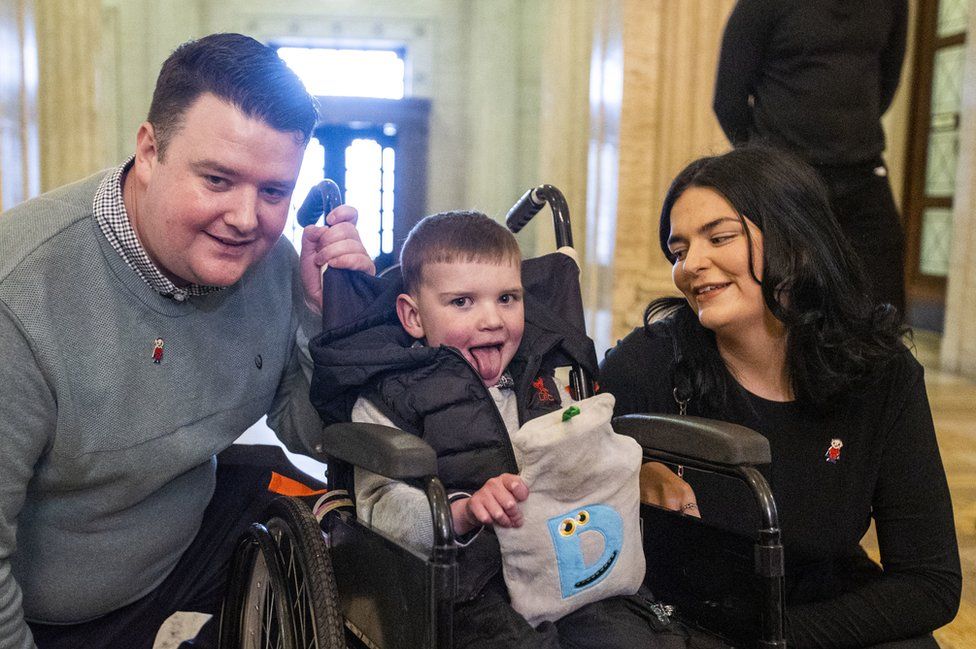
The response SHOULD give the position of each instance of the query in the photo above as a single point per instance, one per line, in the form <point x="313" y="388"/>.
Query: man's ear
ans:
<point x="409" y="315"/>
<point x="147" y="152"/>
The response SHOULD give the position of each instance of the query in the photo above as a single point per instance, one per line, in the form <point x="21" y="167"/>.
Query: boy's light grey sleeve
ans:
<point x="391" y="506"/>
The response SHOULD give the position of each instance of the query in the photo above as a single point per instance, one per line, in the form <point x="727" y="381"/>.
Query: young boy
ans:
<point x="463" y="370"/>
<point x="463" y="290"/>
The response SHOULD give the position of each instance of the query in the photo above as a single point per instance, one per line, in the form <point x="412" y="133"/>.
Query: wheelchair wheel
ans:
<point x="308" y="575"/>
<point x="257" y="612"/>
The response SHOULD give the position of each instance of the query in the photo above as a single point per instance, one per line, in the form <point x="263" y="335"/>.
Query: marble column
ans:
<point x="565" y="42"/>
<point x="68" y="40"/>
<point x="606" y="93"/>
<point x="670" y="57"/>
<point x="959" y="339"/>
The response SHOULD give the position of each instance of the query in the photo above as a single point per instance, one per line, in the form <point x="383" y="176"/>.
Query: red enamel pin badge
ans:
<point x="833" y="451"/>
<point x="157" y="352"/>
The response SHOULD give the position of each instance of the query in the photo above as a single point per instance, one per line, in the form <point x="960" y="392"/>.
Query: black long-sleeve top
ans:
<point x="888" y="468"/>
<point x="818" y="75"/>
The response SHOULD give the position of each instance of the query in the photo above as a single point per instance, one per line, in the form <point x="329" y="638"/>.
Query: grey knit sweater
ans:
<point x="106" y="457"/>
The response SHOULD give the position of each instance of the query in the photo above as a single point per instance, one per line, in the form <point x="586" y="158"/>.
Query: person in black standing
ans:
<point x="814" y="77"/>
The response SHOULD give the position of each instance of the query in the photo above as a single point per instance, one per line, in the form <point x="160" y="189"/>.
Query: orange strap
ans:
<point x="287" y="487"/>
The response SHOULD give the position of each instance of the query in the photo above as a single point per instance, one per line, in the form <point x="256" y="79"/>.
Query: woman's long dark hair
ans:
<point x="811" y="281"/>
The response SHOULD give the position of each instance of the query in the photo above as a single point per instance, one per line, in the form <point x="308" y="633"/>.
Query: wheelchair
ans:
<point x="318" y="577"/>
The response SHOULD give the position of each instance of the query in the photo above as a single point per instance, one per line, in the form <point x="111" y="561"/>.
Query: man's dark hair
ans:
<point x="451" y="237"/>
<point x="238" y="70"/>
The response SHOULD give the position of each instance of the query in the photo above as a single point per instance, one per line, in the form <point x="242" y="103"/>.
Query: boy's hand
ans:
<point x="338" y="245"/>
<point x="496" y="503"/>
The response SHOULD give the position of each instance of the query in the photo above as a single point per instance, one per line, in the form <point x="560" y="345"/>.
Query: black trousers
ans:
<point x="198" y="581"/>
<point x="861" y="198"/>
<point x="490" y="622"/>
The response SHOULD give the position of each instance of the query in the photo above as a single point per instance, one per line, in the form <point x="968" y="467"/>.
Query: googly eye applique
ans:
<point x="587" y="542"/>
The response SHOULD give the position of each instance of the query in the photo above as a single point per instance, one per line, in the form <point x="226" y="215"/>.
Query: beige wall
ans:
<point x="514" y="106"/>
<point x="72" y="141"/>
<point x="136" y="37"/>
<point x="508" y="88"/>
<point x="477" y="61"/>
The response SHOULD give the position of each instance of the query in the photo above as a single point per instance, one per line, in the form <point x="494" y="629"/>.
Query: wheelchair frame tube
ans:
<point x="769" y="561"/>
<point x="580" y="382"/>
<point x="444" y="558"/>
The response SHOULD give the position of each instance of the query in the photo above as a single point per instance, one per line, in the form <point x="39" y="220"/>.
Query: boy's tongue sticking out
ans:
<point x="487" y="360"/>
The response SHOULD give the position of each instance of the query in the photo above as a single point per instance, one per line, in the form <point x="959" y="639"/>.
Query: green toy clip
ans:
<point x="570" y="412"/>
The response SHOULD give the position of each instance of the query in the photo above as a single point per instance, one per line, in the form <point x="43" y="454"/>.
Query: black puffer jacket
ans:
<point x="434" y="393"/>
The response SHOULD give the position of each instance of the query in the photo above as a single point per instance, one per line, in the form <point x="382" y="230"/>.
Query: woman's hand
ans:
<point x="660" y="486"/>
<point x="496" y="503"/>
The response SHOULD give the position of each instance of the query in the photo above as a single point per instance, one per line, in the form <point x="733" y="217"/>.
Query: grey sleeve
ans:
<point x="28" y="416"/>
<point x="391" y="506"/>
<point x="292" y="416"/>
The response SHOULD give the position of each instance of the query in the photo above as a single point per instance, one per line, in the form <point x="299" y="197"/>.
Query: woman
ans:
<point x="774" y="332"/>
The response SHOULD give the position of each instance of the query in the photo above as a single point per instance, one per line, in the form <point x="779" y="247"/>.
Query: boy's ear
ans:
<point x="409" y="315"/>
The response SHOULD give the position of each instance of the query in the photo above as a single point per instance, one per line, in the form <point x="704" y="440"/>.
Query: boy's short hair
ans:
<point x="450" y="237"/>
<point x="236" y="69"/>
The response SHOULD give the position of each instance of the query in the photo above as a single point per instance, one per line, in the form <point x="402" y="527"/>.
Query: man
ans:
<point x="814" y="77"/>
<point x="148" y="316"/>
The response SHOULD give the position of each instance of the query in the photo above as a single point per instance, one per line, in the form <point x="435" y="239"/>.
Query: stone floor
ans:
<point x="953" y="402"/>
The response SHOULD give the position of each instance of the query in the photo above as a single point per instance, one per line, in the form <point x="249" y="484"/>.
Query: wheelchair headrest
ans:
<point x="552" y="303"/>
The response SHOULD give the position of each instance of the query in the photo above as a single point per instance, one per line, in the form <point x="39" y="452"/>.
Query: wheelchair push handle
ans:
<point x="532" y="202"/>
<point x="321" y="199"/>
<point x="581" y="384"/>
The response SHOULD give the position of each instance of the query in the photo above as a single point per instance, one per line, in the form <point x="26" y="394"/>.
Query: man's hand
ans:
<point x="660" y="486"/>
<point x="338" y="246"/>
<point x="496" y="503"/>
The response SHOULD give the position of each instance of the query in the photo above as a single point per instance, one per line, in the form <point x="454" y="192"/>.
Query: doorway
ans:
<point x="370" y="139"/>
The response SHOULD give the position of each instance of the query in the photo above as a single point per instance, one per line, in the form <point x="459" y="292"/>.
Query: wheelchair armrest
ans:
<point x="713" y="441"/>
<point x="387" y="451"/>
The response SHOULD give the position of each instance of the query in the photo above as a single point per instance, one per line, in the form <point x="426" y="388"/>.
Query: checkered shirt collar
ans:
<point x="112" y="219"/>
